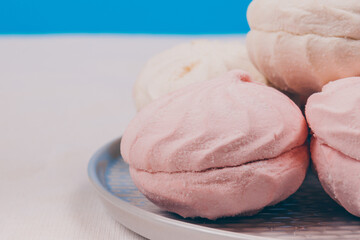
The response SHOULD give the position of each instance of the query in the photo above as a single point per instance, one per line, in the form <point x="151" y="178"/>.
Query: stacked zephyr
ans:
<point x="218" y="148"/>
<point x="209" y="145"/>
<point x="334" y="117"/>
<point x="301" y="45"/>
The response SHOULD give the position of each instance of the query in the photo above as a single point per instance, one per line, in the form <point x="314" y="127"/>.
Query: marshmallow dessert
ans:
<point x="217" y="148"/>
<point x="188" y="63"/>
<point x="302" y="45"/>
<point x="334" y="117"/>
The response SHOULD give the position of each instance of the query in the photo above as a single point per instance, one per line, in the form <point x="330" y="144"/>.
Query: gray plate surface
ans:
<point x="308" y="214"/>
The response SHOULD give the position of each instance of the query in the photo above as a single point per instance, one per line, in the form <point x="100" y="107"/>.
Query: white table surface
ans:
<point x="61" y="98"/>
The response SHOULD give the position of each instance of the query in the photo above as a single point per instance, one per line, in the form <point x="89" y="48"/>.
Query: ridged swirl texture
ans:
<point x="219" y="123"/>
<point x="329" y="18"/>
<point x="300" y="46"/>
<point x="188" y="63"/>
<point x="334" y="116"/>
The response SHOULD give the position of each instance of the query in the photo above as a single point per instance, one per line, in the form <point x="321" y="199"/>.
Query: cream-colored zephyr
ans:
<point x="302" y="45"/>
<point x="188" y="63"/>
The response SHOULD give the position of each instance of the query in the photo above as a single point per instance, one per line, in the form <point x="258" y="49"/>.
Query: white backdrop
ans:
<point x="61" y="98"/>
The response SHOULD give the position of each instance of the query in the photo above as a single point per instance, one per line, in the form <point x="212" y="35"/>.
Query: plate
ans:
<point x="308" y="214"/>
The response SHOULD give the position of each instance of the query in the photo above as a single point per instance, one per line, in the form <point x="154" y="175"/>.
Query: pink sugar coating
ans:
<point x="223" y="122"/>
<point x="229" y="191"/>
<point x="339" y="175"/>
<point x="334" y="115"/>
<point x="218" y="148"/>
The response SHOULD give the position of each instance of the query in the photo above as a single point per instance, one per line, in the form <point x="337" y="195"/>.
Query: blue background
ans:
<point x="123" y="16"/>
